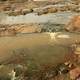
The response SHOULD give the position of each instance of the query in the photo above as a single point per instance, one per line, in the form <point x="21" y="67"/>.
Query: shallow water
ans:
<point x="44" y="48"/>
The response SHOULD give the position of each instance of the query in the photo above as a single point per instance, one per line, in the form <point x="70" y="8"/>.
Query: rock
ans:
<point x="28" y="29"/>
<point x="26" y="11"/>
<point x="75" y="73"/>
<point x="63" y="8"/>
<point x="77" y="50"/>
<point x="6" y="73"/>
<point x="12" y="30"/>
<point x="6" y="7"/>
<point x="77" y="10"/>
<point x="14" y="13"/>
<point x="47" y="10"/>
<point x="77" y="53"/>
<point x="43" y="11"/>
<point x="50" y="74"/>
<point x="52" y="10"/>
<point x="74" y="24"/>
<point x="62" y="68"/>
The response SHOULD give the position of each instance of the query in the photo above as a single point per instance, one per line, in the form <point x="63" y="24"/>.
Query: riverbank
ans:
<point x="40" y="7"/>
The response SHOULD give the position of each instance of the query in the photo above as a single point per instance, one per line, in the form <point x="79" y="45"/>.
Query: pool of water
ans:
<point x="43" y="48"/>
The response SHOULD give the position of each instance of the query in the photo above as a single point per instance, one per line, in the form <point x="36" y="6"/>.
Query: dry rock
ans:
<point x="75" y="73"/>
<point x="74" y="24"/>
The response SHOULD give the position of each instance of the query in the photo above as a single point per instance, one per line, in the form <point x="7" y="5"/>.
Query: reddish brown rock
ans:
<point x="74" y="24"/>
<point x="75" y="73"/>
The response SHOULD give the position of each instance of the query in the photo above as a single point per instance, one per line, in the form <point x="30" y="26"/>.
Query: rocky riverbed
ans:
<point x="39" y="40"/>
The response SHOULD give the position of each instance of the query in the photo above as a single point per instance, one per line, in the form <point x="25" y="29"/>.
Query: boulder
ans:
<point x="74" y="24"/>
<point x="52" y="10"/>
<point x="26" y="11"/>
<point x="75" y="73"/>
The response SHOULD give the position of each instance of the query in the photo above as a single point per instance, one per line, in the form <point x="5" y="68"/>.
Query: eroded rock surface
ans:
<point x="74" y="24"/>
